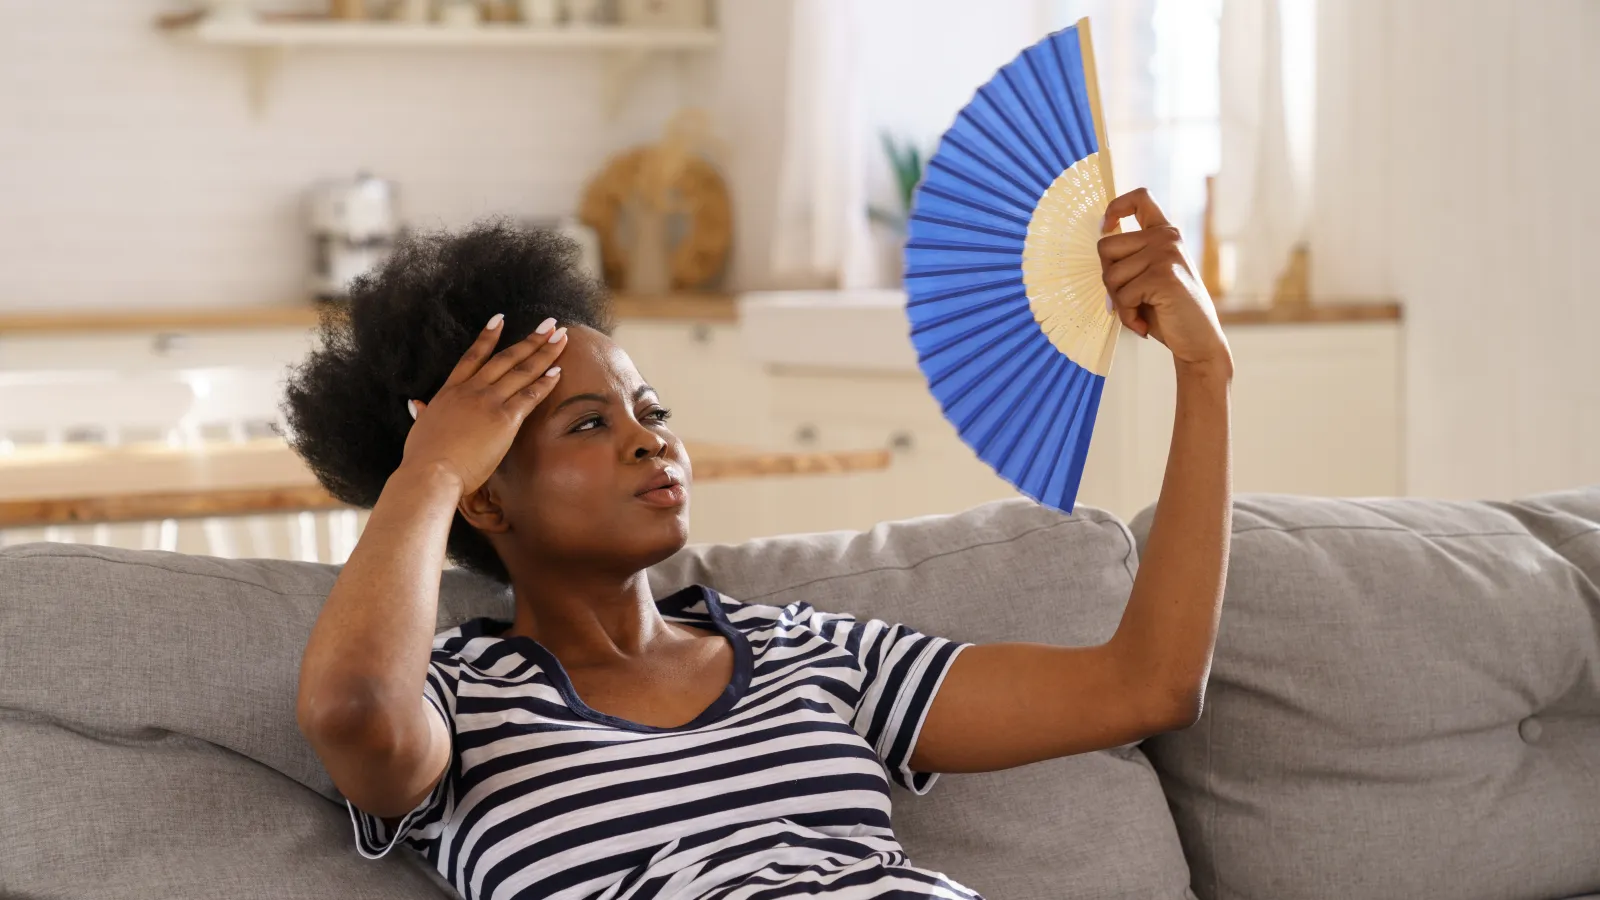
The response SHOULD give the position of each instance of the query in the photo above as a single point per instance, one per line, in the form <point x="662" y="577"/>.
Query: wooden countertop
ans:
<point x="87" y="484"/>
<point x="681" y="307"/>
<point x="695" y="307"/>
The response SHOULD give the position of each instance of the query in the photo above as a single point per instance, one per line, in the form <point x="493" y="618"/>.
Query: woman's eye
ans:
<point x="584" y="425"/>
<point x="660" y="414"/>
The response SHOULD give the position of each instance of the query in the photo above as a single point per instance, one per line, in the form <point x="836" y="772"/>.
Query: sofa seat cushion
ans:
<point x="1404" y="702"/>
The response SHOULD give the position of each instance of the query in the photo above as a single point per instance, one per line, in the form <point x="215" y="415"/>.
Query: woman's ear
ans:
<point x="481" y="509"/>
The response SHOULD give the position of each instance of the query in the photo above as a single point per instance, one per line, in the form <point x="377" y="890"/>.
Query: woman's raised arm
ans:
<point x="1003" y="705"/>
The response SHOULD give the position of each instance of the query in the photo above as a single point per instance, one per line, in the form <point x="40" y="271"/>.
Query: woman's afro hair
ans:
<point x="404" y="329"/>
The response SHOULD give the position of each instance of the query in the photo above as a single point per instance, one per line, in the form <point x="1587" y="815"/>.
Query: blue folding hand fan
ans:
<point x="1008" y="312"/>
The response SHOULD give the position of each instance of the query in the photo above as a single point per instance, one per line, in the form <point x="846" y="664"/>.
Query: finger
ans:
<point x="1136" y="295"/>
<point x="1120" y="246"/>
<point x="1129" y="316"/>
<point x="477" y="353"/>
<point x="530" y="395"/>
<point x="531" y="368"/>
<point x="1137" y="203"/>
<point x="506" y="359"/>
<point x="1124" y="270"/>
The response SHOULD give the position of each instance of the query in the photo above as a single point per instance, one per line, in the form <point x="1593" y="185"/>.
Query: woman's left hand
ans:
<point x="1155" y="291"/>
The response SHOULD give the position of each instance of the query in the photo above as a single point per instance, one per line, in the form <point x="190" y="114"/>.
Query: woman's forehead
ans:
<point x="593" y="363"/>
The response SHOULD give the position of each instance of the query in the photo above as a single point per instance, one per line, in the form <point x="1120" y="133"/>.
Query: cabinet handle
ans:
<point x="902" y="440"/>
<point x="168" y="342"/>
<point x="806" y="434"/>
<point x="701" y="333"/>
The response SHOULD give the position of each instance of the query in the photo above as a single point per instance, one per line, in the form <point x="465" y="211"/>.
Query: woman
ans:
<point x="610" y="744"/>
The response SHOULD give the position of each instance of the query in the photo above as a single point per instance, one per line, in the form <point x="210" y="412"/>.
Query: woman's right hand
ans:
<point x="470" y="423"/>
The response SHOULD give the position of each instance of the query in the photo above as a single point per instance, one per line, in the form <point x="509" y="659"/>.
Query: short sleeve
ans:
<point x="424" y="824"/>
<point x="901" y="670"/>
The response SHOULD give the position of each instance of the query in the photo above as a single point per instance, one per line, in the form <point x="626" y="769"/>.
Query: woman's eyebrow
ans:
<point x="601" y="398"/>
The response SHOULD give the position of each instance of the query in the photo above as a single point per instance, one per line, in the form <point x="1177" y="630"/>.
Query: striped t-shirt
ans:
<point x="779" y="789"/>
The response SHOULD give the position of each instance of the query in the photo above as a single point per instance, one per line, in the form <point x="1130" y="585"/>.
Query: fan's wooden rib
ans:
<point x="1097" y="117"/>
<point x="1061" y="267"/>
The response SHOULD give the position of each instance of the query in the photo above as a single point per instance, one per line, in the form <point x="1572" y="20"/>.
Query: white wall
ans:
<point x="133" y="174"/>
<point x="1456" y="172"/>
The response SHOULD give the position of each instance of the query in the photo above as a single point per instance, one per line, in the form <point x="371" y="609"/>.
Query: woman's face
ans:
<point x="579" y="484"/>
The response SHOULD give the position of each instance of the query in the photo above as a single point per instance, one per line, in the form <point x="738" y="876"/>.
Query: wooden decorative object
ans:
<point x="673" y="183"/>
<point x="1210" y="253"/>
<point x="1294" y="285"/>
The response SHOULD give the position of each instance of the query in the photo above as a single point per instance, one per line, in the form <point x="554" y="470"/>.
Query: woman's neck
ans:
<point x="588" y="621"/>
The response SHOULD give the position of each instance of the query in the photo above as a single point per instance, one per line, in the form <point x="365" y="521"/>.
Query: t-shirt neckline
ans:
<point x="533" y="651"/>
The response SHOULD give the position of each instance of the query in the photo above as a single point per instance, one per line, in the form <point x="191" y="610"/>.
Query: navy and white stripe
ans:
<point x="779" y="789"/>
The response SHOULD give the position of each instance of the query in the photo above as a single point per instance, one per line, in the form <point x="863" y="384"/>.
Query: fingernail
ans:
<point x="545" y="326"/>
<point x="1109" y="310"/>
<point x="559" y="335"/>
<point x="412" y="405"/>
<point x="495" y="322"/>
<point x="552" y="372"/>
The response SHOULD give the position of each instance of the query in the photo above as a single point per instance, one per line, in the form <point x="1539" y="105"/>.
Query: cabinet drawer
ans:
<point x="860" y="398"/>
<point x="272" y="348"/>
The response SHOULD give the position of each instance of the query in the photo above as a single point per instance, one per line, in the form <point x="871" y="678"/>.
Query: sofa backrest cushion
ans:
<point x="1404" y="702"/>
<point x="147" y="671"/>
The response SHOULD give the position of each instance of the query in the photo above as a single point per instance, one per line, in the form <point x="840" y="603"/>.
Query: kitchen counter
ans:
<point x="865" y="330"/>
<point x="699" y="307"/>
<point x="88" y="484"/>
<point x="688" y="307"/>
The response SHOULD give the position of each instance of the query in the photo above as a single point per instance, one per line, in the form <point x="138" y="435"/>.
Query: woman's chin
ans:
<point x="667" y="535"/>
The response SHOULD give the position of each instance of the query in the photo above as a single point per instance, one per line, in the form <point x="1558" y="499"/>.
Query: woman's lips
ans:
<point x="672" y="495"/>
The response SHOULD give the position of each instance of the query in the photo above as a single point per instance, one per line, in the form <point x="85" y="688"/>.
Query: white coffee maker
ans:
<point x="354" y="224"/>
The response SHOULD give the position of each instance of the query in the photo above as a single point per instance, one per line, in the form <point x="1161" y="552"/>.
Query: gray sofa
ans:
<point x="1405" y="703"/>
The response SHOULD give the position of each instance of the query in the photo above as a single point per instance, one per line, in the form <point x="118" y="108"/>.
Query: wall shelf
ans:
<point x="266" y="42"/>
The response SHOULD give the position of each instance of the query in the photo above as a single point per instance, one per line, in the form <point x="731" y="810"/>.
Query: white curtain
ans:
<point x="1263" y="187"/>
<point x="820" y="235"/>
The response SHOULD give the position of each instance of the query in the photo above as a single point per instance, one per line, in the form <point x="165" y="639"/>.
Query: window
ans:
<point x="1157" y="65"/>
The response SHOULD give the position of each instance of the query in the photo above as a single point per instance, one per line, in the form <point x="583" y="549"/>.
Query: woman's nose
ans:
<point x="652" y="445"/>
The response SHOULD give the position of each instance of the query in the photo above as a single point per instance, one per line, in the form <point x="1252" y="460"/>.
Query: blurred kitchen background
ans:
<point x="1391" y="201"/>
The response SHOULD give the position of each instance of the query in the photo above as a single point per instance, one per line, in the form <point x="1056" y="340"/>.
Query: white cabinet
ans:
<point x="1317" y="409"/>
<point x="145" y="351"/>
